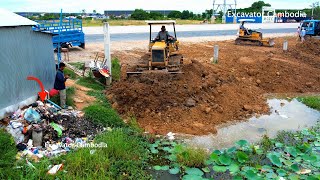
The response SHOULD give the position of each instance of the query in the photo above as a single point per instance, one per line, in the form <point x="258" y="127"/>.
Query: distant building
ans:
<point x="95" y="16"/>
<point x="37" y="14"/>
<point x="127" y="13"/>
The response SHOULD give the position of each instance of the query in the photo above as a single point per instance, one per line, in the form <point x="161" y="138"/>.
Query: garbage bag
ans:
<point x="16" y="134"/>
<point x="53" y="92"/>
<point x="57" y="128"/>
<point x="32" y="116"/>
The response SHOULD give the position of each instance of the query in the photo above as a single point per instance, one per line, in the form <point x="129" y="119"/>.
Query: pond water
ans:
<point x="284" y="115"/>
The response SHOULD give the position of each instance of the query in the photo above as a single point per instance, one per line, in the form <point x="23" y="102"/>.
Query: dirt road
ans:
<point x="80" y="55"/>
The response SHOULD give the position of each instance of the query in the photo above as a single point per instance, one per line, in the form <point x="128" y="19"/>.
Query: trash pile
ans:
<point x="46" y="130"/>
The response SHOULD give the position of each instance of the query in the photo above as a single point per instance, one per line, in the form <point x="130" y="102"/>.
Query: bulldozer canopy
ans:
<point x="161" y="22"/>
<point x="246" y="20"/>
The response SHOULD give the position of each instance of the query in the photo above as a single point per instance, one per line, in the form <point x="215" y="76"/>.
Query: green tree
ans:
<point x="140" y="14"/>
<point x="259" y="4"/>
<point x="94" y="12"/>
<point x="185" y="14"/>
<point x="156" y="16"/>
<point x="207" y="14"/>
<point x="83" y="12"/>
<point x="175" y="14"/>
<point x="255" y="7"/>
<point x="191" y="15"/>
<point x="49" y="16"/>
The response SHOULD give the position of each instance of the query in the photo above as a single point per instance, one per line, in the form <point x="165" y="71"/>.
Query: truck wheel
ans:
<point x="64" y="45"/>
<point x="308" y="37"/>
<point x="83" y="45"/>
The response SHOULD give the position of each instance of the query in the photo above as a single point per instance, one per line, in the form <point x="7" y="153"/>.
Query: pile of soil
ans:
<point x="308" y="52"/>
<point x="207" y="95"/>
<point x="191" y="103"/>
<point x="310" y="46"/>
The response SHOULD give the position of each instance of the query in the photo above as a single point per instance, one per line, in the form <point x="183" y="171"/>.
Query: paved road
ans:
<point x="93" y="38"/>
<point x="182" y="28"/>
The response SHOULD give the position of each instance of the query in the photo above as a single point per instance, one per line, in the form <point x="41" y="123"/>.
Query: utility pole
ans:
<point x="213" y="18"/>
<point x="107" y="54"/>
<point x="312" y="9"/>
<point x="313" y="6"/>
<point x="224" y="8"/>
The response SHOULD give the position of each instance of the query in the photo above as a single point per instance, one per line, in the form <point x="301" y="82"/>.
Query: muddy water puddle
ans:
<point x="284" y="115"/>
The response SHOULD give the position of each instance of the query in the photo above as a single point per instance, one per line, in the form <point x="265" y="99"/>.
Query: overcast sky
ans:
<point x="196" y="6"/>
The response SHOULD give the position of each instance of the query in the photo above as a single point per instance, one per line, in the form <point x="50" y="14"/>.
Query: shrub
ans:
<point x="312" y="102"/>
<point x="116" y="69"/>
<point x="190" y="157"/>
<point x="7" y="149"/>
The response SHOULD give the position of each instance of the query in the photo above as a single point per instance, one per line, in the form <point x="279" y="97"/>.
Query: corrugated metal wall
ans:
<point x="23" y="53"/>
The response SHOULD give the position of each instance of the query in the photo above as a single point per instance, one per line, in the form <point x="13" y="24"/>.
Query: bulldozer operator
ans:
<point x="246" y="30"/>
<point x="163" y="35"/>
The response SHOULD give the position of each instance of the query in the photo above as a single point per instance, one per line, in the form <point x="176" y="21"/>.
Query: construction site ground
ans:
<point x="207" y="95"/>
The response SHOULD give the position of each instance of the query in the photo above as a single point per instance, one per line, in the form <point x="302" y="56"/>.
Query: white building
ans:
<point x="24" y="53"/>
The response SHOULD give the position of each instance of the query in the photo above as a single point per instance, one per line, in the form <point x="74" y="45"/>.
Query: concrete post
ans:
<point x="216" y="54"/>
<point x="107" y="46"/>
<point x="285" y="45"/>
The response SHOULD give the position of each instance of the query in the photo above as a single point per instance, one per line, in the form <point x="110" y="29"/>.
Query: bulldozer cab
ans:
<point x="162" y="50"/>
<point x="163" y="55"/>
<point x="171" y="43"/>
<point x="247" y="32"/>
<point x="254" y="37"/>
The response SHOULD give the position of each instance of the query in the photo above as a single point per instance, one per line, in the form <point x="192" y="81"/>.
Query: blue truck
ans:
<point x="312" y="27"/>
<point x="67" y="33"/>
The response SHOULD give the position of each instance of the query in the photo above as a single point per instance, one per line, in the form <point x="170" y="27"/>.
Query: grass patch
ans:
<point x="124" y="144"/>
<point x="312" y="101"/>
<point x="85" y="165"/>
<point x="71" y="73"/>
<point x="124" y="158"/>
<point x="69" y="101"/>
<point x="101" y="98"/>
<point x="190" y="157"/>
<point x="116" y="69"/>
<point x="78" y="65"/>
<point x="89" y="82"/>
<point x="104" y="116"/>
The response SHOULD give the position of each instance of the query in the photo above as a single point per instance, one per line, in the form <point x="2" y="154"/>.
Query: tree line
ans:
<point x="140" y="14"/>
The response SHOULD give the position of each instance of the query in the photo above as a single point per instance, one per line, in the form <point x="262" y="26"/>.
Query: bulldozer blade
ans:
<point x="271" y="42"/>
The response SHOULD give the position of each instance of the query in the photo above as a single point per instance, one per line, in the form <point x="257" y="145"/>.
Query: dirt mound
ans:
<point x="308" y="52"/>
<point x="185" y="102"/>
<point x="310" y="46"/>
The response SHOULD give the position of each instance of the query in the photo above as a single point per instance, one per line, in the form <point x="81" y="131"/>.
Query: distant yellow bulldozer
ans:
<point x="164" y="55"/>
<point x="253" y="37"/>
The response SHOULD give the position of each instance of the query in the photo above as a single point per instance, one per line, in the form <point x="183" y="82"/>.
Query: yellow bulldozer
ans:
<point x="248" y="36"/>
<point x="163" y="53"/>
